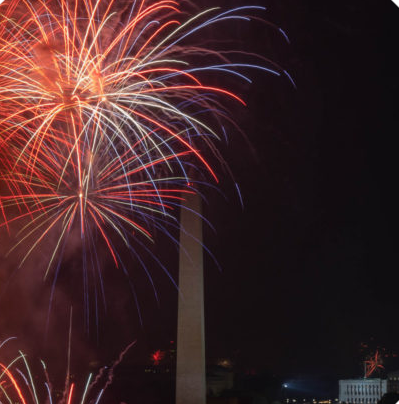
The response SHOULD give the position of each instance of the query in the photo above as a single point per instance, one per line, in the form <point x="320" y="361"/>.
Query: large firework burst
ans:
<point x="103" y="109"/>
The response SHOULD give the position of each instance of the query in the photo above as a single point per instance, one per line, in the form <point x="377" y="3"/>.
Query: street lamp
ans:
<point x="284" y="388"/>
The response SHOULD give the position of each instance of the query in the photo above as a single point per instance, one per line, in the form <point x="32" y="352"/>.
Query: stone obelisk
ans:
<point x="190" y="366"/>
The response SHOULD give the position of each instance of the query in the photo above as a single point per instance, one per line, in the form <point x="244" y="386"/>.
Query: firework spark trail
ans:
<point x="111" y="369"/>
<point x="19" y="386"/>
<point x="102" y="116"/>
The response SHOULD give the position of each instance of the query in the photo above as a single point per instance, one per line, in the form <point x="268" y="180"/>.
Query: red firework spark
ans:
<point x="157" y="357"/>
<point x="373" y="364"/>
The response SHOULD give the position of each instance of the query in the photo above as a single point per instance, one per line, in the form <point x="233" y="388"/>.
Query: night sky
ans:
<point x="308" y="266"/>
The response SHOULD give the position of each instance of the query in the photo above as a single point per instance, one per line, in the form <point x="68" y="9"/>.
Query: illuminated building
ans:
<point x="393" y="382"/>
<point x="362" y="391"/>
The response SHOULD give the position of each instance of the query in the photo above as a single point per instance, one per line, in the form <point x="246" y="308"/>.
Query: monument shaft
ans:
<point x="190" y="367"/>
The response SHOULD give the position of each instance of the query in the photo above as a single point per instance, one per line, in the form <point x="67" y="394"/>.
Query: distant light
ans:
<point x="285" y="385"/>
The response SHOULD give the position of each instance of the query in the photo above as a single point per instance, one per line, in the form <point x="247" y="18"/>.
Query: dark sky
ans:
<point x="309" y="265"/>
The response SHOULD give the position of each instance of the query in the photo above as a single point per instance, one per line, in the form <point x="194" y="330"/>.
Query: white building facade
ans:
<point x="362" y="391"/>
<point x="393" y="382"/>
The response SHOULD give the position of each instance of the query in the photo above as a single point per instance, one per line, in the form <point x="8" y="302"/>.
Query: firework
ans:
<point x="104" y="112"/>
<point x="157" y="357"/>
<point x="373" y="364"/>
<point x="17" y="383"/>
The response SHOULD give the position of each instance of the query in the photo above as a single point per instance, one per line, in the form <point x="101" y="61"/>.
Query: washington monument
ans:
<point x="190" y="367"/>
